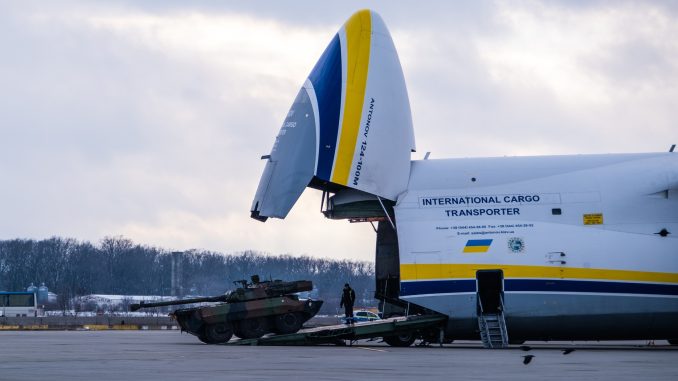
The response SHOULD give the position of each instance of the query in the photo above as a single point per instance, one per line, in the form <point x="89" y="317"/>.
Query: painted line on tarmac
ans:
<point x="372" y="349"/>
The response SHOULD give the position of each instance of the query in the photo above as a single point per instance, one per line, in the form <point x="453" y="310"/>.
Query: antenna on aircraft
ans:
<point x="672" y="148"/>
<point x="428" y="153"/>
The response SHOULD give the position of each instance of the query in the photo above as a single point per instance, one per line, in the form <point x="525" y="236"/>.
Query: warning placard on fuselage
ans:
<point x="487" y="205"/>
<point x="593" y="219"/>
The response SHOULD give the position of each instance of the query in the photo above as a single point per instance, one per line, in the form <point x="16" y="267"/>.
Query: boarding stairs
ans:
<point x="493" y="332"/>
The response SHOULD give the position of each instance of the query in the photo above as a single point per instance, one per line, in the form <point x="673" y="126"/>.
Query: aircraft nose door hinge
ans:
<point x="663" y="232"/>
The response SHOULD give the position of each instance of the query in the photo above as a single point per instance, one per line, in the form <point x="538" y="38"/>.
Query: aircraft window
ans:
<point x="556" y="211"/>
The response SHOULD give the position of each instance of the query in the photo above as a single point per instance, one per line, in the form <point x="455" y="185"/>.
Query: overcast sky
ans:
<point x="147" y="119"/>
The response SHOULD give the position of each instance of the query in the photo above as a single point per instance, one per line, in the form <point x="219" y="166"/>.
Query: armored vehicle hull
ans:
<point x="249" y="312"/>
<point x="247" y="320"/>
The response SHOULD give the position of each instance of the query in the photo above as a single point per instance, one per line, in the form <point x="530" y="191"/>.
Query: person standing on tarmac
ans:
<point x="347" y="300"/>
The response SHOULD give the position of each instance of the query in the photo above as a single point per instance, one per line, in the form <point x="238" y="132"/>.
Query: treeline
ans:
<point x="117" y="265"/>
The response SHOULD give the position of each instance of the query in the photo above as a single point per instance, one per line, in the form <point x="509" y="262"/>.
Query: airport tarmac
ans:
<point x="167" y="355"/>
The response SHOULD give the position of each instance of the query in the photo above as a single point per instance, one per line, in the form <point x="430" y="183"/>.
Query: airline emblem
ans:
<point x="516" y="245"/>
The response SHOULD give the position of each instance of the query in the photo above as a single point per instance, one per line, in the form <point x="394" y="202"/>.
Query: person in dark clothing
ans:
<point x="347" y="300"/>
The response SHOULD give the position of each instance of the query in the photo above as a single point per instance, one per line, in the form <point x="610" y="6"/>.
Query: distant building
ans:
<point x="107" y="303"/>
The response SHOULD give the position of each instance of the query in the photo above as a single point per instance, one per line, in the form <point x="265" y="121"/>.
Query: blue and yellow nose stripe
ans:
<point x="339" y="80"/>
<point x="326" y="81"/>
<point x="358" y="31"/>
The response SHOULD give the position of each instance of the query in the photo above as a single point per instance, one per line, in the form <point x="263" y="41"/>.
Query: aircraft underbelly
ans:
<point x="564" y="316"/>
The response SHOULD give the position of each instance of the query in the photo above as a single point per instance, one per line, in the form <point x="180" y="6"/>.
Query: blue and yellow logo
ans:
<point x="477" y="245"/>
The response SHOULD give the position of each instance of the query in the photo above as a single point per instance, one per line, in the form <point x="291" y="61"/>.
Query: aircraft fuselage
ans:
<point x="576" y="242"/>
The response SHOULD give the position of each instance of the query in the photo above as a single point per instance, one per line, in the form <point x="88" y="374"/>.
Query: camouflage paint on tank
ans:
<point x="250" y="311"/>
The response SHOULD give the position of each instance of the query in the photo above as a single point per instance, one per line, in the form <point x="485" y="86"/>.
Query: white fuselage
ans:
<point x="576" y="239"/>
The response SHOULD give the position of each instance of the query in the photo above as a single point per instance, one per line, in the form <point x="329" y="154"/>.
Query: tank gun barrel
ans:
<point x="142" y="304"/>
<point x="250" y="291"/>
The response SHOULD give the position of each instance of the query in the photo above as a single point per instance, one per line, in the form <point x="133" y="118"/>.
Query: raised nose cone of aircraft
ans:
<point x="350" y="125"/>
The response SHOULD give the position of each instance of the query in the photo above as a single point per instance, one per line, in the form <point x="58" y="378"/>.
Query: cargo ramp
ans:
<point x="336" y="334"/>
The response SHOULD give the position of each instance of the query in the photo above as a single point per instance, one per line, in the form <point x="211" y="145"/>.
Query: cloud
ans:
<point x="148" y="119"/>
<point x="151" y="126"/>
<point x="546" y="78"/>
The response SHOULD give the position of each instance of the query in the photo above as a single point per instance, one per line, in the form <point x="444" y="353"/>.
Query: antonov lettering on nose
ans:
<point x="578" y="247"/>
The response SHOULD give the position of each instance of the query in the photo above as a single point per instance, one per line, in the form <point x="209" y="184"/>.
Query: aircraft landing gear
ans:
<point x="400" y="340"/>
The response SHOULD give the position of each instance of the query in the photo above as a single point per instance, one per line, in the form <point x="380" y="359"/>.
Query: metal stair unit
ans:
<point x="492" y="325"/>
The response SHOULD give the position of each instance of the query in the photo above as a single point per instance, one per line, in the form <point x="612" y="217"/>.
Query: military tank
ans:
<point x="250" y="311"/>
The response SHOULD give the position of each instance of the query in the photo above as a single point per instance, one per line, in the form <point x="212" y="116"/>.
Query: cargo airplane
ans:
<point x="581" y="247"/>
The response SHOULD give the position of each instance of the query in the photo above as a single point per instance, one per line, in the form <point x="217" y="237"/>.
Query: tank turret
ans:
<point x="250" y="311"/>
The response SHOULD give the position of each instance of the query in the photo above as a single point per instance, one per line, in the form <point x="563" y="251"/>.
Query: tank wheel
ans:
<point x="404" y="340"/>
<point x="288" y="323"/>
<point x="251" y="328"/>
<point x="673" y="341"/>
<point x="216" y="333"/>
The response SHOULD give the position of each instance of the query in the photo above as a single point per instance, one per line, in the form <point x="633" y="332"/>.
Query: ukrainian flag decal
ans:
<point x="477" y="245"/>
